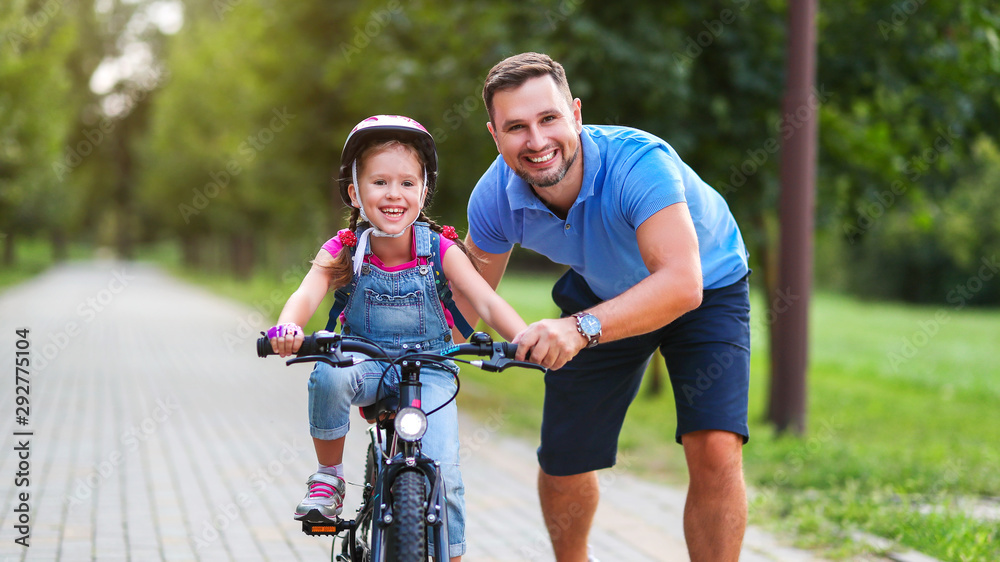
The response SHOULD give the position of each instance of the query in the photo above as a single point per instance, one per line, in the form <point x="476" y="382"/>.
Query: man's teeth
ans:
<point x="545" y="158"/>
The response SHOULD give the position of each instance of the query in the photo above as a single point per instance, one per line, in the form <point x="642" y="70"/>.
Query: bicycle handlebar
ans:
<point x="329" y="347"/>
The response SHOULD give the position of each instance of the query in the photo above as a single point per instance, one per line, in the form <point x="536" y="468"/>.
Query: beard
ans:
<point x="551" y="177"/>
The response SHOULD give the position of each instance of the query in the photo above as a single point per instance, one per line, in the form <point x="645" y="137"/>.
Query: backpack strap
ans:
<point x="341" y="296"/>
<point x="444" y="291"/>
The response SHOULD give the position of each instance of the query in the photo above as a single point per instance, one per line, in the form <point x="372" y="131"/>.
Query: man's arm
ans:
<point x="669" y="247"/>
<point x="492" y="268"/>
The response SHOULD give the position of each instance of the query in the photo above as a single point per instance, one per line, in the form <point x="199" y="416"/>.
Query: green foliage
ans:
<point x="35" y="38"/>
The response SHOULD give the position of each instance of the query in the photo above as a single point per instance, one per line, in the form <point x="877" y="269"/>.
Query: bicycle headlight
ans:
<point x="411" y="424"/>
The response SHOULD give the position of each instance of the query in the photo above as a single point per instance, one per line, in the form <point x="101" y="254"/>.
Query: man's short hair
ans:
<point x="514" y="71"/>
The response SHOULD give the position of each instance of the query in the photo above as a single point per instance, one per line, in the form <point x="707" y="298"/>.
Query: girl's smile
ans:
<point x="391" y="188"/>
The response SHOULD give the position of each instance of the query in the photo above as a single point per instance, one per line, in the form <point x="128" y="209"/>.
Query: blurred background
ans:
<point x="205" y="135"/>
<point x="215" y="127"/>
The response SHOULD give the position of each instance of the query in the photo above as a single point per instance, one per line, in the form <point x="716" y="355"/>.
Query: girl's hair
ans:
<point x="341" y="267"/>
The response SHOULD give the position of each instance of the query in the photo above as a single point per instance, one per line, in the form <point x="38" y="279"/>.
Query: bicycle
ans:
<point x="404" y="497"/>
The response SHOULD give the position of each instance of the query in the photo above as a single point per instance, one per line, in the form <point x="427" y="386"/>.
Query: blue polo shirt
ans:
<point x="628" y="176"/>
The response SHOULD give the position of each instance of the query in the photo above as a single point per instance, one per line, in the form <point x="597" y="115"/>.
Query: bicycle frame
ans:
<point x="404" y="455"/>
<point x="393" y="456"/>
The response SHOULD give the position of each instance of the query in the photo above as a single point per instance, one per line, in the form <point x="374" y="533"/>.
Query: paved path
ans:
<point x="156" y="434"/>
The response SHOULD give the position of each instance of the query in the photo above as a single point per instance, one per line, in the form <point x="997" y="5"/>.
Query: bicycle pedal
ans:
<point x="314" y="523"/>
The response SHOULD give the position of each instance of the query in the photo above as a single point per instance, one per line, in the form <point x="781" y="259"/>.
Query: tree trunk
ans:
<point x="190" y="252"/>
<point x="60" y="247"/>
<point x="656" y="375"/>
<point x="124" y="211"/>
<point x="9" y="251"/>
<point x="242" y="255"/>
<point x="790" y="346"/>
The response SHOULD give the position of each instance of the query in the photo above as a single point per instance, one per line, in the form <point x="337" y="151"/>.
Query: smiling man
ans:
<point x="656" y="260"/>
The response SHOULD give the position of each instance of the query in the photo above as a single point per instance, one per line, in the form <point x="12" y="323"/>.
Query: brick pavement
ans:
<point x="158" y="435"/>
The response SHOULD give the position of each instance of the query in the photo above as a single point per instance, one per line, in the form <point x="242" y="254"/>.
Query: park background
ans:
<point x="205" y="136"/>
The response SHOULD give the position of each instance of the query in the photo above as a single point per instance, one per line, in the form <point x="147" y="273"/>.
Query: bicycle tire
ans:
<point x="407" y="535"/>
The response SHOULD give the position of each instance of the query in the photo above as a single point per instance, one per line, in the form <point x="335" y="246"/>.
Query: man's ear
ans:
<point x="578" y="114"/>
<point x="493" y="133"/>
<point x="353" y="194"/>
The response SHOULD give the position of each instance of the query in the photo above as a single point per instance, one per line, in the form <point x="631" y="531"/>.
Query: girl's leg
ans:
<point x="441" y="444"/>
<point x="330" y="394"/>
<point x="329" y="452"/>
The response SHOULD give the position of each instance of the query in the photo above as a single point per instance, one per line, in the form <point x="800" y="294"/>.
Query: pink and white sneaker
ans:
<point x="325" y="497"/>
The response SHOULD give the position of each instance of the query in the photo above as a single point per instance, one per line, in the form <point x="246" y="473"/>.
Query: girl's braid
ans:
<point x="342" y="267"/>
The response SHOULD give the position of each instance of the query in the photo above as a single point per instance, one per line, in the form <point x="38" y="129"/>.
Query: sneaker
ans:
<point x="325" y="497"/>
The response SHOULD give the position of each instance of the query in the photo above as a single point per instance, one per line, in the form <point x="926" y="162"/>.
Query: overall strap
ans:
<point x="444" y="291"/>
<point x="422" y="237"/>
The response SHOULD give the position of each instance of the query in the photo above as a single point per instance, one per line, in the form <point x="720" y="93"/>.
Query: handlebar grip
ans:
<point x="508" y="350"/>
<point x="309" y="346"/>
<point x="264" y="347"/>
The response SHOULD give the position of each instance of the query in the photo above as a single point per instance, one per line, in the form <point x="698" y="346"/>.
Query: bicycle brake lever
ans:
<point x="498" y="364"/>
<point x="335" y="360"/>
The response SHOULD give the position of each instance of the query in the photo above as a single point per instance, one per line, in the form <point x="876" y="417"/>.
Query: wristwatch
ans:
<point x="589" y="327"/>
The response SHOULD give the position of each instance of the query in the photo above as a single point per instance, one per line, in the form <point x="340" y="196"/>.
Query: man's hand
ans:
<point x="551" y="343"/>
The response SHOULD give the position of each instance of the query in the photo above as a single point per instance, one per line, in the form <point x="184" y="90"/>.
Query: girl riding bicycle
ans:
<point x="392" y="294"/>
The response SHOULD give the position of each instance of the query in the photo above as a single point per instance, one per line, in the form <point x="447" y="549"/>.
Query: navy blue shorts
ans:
<point x="707" y="354"/>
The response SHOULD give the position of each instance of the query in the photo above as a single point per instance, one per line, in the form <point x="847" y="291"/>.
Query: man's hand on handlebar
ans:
<point x="550" y="343"/>
<point x="286" y="339"/>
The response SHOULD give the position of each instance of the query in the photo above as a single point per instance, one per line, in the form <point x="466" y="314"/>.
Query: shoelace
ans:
<point x="322" y="490"/>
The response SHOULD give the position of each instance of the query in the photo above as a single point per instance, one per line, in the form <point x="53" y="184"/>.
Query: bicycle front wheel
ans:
<point x="407" y="535"/>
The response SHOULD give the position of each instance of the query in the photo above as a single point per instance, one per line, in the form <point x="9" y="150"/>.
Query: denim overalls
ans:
<point x="394" y="308"/>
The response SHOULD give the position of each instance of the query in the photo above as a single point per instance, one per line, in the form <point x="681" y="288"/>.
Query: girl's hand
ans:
<point x="286" y="338"/>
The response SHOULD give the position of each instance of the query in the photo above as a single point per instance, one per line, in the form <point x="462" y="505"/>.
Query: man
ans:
<point x="656" y="261"/>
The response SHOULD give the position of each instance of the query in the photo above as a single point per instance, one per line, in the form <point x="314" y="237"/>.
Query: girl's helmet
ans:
<point x="388" y="127"/>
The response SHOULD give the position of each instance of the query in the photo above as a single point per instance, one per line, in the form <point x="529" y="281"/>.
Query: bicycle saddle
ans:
<point x="380" y="410"/>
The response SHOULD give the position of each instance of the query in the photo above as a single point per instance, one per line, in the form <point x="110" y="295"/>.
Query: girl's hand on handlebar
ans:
<point x="551" y="343"/>
<point x="286" y="338"/>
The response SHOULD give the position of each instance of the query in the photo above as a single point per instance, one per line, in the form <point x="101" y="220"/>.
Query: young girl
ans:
<point x="388" y="171"/>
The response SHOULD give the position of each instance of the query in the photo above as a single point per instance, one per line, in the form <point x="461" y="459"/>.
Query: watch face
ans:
<point x="590" y="325"/>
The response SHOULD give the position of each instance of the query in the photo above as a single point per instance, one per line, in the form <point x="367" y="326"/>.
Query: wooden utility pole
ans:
<point x="789" y="348"/>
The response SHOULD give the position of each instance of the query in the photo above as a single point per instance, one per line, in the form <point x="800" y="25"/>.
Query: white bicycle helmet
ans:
<point x="388" y="127"/>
